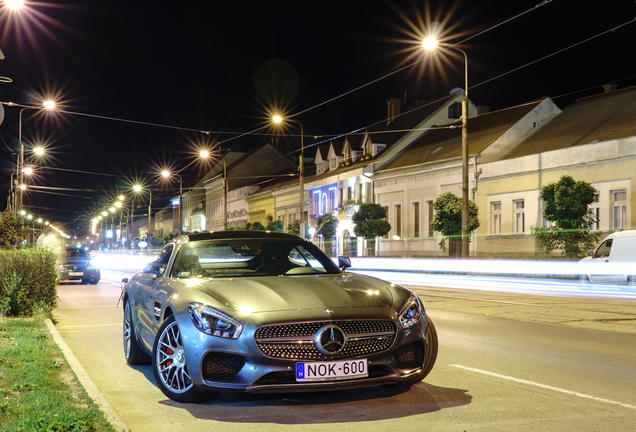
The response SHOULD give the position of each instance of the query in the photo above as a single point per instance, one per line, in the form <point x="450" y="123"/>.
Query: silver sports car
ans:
<point x="262" y="311"/>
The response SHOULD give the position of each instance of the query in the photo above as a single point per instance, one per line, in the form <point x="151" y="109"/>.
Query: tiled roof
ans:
<point x="383" y="133"/>
<point x="446" y="143"/>
<point x="596" y="118"/>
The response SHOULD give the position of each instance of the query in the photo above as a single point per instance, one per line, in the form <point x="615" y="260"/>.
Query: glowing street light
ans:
<point x="14" y="4"/>
<point x="279" y="119"/>
<point x="431" y="44"/>
<point x="204" y="154"/>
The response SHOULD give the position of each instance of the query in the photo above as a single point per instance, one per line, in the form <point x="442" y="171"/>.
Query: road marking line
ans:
<point x="543" y="386"/>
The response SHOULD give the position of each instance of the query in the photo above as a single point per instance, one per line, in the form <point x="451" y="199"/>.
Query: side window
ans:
<point x="604" y="249"/>
<point x="302" y="257"/>
<point x="164" y="257"/>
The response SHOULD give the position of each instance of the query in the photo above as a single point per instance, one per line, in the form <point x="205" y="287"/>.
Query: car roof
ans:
<point x="239" y="234"/>
<point x="620" y="234"/>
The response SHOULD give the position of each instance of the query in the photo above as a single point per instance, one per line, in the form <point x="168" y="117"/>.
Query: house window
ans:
<point x="332" y="199"/>
<point x="369" y="192"/>
<point x="455" y="110"/>
<point x="341" y="201"/>
<point x="398" y="220"/>
<point x="360" y="189"/>
<point x="324" y="208"/>
<point x="520" y="216"/>
<point x="416" y="219"/>
<point x="495" y="209"/>
<point x="386" y="216"/>
<point x="349" y="193"/>
<point x="620" y="209"/>
<point x="595" y="213"/>
<point x="316" y="203"/>
<point x="431" y="214"/>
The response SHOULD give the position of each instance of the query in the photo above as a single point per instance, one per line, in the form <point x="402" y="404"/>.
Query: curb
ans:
<point x="85" y="380"/>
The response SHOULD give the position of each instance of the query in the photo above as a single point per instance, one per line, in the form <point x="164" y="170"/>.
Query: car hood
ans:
<point x="270" y="294"/>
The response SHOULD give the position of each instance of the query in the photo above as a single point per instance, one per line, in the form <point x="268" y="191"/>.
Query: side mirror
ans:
<point x="124" y="282"/>
<point x="344" y="262"/>
<point x="590" y="253"/>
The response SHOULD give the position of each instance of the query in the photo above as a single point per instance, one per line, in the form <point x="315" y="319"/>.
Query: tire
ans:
<point x="170" y="367"/>
<point x="584" y="282"/>
<point x="132" y="351"/>
<point x="430" y="355"/>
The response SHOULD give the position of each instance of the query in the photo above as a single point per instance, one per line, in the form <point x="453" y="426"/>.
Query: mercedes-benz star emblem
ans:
<point x="330" y="339"/>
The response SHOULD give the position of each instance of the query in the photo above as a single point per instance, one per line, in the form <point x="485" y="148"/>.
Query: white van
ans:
<point x="614" y="261"/>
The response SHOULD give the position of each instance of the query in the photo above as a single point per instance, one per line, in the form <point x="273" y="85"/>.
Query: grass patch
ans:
<point x="38" y="391"/>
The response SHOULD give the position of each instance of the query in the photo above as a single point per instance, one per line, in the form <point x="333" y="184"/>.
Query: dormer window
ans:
<point x="455" y="110"/>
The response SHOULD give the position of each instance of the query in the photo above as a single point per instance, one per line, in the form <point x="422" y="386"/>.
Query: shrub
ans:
<point x="276" y="226"/>
<point x="27" y="282"/>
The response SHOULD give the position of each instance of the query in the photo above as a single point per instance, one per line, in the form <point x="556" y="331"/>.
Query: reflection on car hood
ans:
<point x="268" y="294"/>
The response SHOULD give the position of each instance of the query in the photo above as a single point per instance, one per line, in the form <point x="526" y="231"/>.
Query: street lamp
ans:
<point x="279" y="119"/>
<point x="203" y="154"/>
<point x="430" y="44"/>
<point x="49" y="105"/>
<point x="167" y="174"/>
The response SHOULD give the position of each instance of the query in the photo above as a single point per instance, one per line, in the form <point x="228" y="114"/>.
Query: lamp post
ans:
<point x="430" y="44"/>
<point x="279" y="119"/>
<point x="49" y="105"/>
<point x="203" y="154"/>
<point x="167" y="174"/>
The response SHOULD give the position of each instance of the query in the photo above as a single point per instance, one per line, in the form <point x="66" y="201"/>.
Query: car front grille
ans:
<point x="296" y="341"/>
<point x="75" y="267"/>
<point x="218" y="365"/>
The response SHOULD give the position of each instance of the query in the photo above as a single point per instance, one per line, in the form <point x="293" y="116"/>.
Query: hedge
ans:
<point x="27" y="282"/>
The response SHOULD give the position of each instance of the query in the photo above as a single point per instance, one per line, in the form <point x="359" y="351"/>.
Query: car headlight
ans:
<point x="61" y="269"/>
<point x="411" y="312"/>
<point x="91" y="267"/>
<point x="213" y="322"/>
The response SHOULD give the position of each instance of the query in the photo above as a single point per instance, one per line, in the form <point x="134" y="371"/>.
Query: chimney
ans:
<point x="482" y="110"/>
<point x="608" y="88"/>
<point x="392" y="109"/>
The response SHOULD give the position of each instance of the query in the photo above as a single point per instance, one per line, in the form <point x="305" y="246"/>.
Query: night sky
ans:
<point x="176" y="69"/>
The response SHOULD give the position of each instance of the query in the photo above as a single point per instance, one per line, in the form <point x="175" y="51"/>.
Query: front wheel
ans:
<point x="132" y="351"/>
<point x="170" y="367"/>
<point x="430" y="354"/>
<point x="584" y="282"/>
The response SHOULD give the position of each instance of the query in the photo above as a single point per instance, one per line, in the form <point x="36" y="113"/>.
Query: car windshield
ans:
<point x="77" y="253"/>
<point x="250" y="257"/>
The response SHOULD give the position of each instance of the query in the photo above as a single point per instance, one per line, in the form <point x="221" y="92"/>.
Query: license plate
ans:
<point x="76" y="273"/>
<point x="331" y="371"/>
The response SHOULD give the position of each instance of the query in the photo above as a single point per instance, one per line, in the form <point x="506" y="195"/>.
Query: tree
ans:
<point x="12" y="230"/>
<point x="257" y="226"/>
<point x="566" y="205"/>
<point x="448" y="220"/>
<point x="327" y="227"/>
<point x="276" y="225"/>
<point x="370" y="222"/>
<point x="294" y="228"/>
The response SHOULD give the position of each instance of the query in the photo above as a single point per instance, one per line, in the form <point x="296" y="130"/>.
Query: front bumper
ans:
<point x="258" y="373"/>
<point x="75" y="275"/>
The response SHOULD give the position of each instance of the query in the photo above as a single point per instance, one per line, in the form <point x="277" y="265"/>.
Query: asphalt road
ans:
<point x="507" y="361"/>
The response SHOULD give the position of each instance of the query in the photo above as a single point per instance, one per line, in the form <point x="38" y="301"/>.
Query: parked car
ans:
<point x="613" y="261"/>
<point x="260" y="312"/>
<point x="76" y="265"/>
